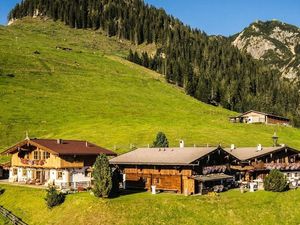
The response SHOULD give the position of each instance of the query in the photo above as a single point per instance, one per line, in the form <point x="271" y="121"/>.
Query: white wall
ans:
<point x="12" y="177"/>
<point x="78" y="175"/>
<point x="68" y="175"/>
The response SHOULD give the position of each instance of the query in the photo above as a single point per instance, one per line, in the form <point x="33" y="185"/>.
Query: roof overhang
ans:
<point x="212" y="177"/>
<point x="16" y="147"/>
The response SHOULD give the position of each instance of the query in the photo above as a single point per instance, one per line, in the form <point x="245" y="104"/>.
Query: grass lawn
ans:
<point x="4" y="221"/>
<point x="91" y="93"/>
<point x="230" y="207"/>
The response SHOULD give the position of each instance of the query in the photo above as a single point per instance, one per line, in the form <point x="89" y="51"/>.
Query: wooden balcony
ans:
<point x="52" y="162"/>
<point x="278" y="166"/>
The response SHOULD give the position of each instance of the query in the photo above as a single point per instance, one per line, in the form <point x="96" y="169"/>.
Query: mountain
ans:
<point x="208" y="68"/>
<point x="275" y="43"/>
<point x="58" y="82"/>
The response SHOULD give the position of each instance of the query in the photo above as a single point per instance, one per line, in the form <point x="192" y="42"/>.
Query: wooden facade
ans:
<point x="176" y="178"/>
<point x="164" y="178"/>
<point x="284" y="159"/>
<point x="216" y="170"/>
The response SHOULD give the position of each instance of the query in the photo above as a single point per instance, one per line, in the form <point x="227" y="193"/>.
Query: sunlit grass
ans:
<point x="91" y="93"/>
<point x="230" y="207"/>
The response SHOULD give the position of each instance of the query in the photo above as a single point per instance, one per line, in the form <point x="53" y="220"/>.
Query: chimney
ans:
<point x="59" y="141"/>
<point x="275" y="139"/>
<point x="232" y="147"/>
<point x="259" y="147"/>
<point x="27" y="136"/>
<point x="181" y="144"/>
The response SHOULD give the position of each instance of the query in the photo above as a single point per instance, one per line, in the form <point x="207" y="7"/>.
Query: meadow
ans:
<point x="230" y="207"/>
<point x="92" y="93"/>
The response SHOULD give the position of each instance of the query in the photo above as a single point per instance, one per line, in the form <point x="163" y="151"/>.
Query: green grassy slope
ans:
<point x="4" y="221"/>
<point x="230" y="207"/>
<point x="92" y="93"/>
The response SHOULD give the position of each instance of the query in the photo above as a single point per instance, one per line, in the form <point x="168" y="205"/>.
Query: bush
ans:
<point x="275" y="181"/>
<point x="1" y="190"/>
<point x="53" y="197"/>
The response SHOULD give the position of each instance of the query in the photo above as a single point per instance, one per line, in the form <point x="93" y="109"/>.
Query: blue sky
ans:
<point x="224" y="17"/>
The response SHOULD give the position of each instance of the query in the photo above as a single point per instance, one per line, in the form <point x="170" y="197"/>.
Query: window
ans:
<point x="36" y="155"/>
<point x="15" y="171"/>
<point x="59" y="175"/>
<point x="46" y="155"/>
<point x="295" y="174"/>
<point x="24" y="172"/>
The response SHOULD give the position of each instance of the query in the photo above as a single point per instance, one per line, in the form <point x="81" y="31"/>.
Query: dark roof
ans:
<point x="262" y="113"/>
<point x="63" y="147"/>
<point x="162" y="156"/>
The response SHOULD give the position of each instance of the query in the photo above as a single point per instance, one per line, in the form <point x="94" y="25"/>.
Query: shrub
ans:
<point x="1" y="190"/>
<point x="102" y="176"/>
<point x="275" y="181"/>
<point x="53" y="197"/>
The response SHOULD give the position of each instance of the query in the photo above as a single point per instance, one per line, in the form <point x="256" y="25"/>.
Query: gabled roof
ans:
<point x="64" y="147"/>
<point x="163" y="156"/>
<point x="262" y="113"/>
<point x="248" y="153"/>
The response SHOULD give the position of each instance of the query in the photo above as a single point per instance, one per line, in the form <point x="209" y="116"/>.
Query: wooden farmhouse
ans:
<point x="192" y="170"/>
<point x="256" y="162"/>
<point x="187" y="170"/>
<point x="259" y="117"/>
<point x="64" y="163"/>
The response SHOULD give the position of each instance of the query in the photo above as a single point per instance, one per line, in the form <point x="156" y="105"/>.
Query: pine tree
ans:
<point x="161" y="140"/>
<point x="102" y="177"/>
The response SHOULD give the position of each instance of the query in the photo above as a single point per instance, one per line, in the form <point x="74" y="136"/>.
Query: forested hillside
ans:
<point x="209" y="68"/>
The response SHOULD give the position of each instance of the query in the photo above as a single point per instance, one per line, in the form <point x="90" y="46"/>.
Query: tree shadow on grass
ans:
<point x="127" y="192"/>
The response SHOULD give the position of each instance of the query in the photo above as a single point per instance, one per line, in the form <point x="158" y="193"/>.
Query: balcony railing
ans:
<point x="33" y="162"/>
<point x="278" y="166"/>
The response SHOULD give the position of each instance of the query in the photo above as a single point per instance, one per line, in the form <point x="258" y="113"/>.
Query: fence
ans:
<point x="13" y="218"/>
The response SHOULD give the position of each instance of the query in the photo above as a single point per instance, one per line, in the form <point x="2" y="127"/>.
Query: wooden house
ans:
<point x="259" y="117"/>
<point x="65" y="163"/>
<point x="256" y="162"/>
<point x="182" y="170"/>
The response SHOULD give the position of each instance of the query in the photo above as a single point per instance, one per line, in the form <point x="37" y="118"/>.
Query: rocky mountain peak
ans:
<point x="275" y="42"/>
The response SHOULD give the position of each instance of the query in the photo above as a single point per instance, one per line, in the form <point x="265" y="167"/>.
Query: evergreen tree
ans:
<point x="161" y="140"/>
<point x="102" y="177"/>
